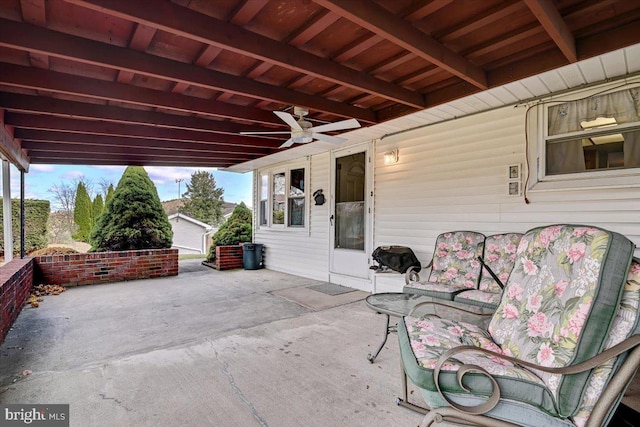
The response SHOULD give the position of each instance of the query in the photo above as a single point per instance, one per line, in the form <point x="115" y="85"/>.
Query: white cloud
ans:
<point x="110" y="167"/>
<point x="162" y="175"/>
<point x="41" y="168"/>
<point x="72" y="175"/>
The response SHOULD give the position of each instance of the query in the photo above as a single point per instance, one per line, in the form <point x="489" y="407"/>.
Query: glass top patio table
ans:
<point x="398" y="304"/>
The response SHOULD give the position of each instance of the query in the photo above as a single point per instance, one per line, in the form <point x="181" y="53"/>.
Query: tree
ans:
<point x="108" y="194"/>
<point x="82" y="213"/>
<point x="64" y="196"/>
<point x="133" y="218"/>
<point x="96" y="209"/>
<point x="104" y="185"/>
<point x="203" y="200"/>
<point x="61" y="220"/>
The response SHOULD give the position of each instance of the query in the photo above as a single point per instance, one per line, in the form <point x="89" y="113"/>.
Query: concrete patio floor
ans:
<point x="205" y="348"/>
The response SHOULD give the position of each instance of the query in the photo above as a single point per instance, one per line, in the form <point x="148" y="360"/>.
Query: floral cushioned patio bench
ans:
<point x="457" y="272"/>
<point x="560" y="349"/>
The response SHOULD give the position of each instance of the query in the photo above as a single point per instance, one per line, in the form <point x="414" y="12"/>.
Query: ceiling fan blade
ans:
<point x="265" y="133"/>
<point x="288" y="143"/>
<point x="288" y="119"/>
<point x="328" y="138"/>
<point x="344" y="124"/>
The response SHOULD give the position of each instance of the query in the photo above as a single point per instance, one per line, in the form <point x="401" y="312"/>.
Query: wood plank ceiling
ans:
<point x="160" y="82"/>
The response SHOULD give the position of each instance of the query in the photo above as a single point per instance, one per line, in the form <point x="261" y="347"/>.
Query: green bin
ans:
<point x="252" y="256"/>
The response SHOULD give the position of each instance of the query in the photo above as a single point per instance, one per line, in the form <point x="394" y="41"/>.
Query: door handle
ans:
<point x="331" y="220"/>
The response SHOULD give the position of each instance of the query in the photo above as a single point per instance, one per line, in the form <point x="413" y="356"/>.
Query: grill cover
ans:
<point x="397" y="258"/>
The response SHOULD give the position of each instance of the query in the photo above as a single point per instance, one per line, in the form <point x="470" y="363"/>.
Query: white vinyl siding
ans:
<point x="450" y="176"/>
<point x="188" y="237"/>
<point x="453" y="176"/>
<point x="303" y="252"/>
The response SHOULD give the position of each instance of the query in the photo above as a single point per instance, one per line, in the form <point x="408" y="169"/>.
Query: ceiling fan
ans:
<point x="302" y="131"/>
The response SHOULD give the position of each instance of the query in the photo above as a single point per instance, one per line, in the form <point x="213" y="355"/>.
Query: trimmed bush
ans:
<point x="237" y="229"/>
<point x="36" y="216"/>
<point x="133" y="218"/>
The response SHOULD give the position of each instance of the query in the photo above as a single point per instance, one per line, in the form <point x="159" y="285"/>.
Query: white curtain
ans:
<point x="565" y="157"/>
<point x="624" y="106"/>
<point x="568" y="156"/>
<point x="631" y="149"/>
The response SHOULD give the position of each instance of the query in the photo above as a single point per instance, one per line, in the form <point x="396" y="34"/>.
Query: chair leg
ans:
<point x="404" y="400"/>
<point x="450" y="416"/>
<point x="372" y="357"/>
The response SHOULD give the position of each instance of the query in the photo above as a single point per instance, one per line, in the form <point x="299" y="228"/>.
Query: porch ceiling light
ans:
<point x="391" y="157"/>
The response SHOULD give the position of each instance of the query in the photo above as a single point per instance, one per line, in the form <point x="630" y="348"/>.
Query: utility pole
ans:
<point x="179" y="180"/>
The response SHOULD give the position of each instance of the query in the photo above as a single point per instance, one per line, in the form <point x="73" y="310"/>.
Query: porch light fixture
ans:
<point x="391" y="157"/>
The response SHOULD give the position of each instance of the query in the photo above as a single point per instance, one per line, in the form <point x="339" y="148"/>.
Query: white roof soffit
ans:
<point x="613" y="65"/>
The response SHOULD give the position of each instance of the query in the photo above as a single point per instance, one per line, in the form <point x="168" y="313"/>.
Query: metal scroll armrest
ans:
<point x="615" y="387"/>
<point x="412" y="274"/>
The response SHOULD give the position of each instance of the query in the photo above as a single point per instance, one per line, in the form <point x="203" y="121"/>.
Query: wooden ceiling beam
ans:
<point x="39" y="148"/>
<point x="10" y="147"/>
<point x="34" y="11"/>
<point x="140" y="39"/>
<point x="616" y="38"/>
<point x="124" y="160"/>
<point x="23" y="36"/>
<point x="247" y="11"/>
<point x="31" y="121"/>
<point x="539" y="62"/>
<point x="368" y="41"/>
<point x="206" y="29"/>
<point x="45" y="105"/>
<point x="60" y="137"/>
<point x="29" y="77"/>
<point x="549" y="17"/>
<point x="421" y="11"/>
<point x="481" y="20"/>
<point x="359" y="46"/>
<point x="312" y="28"/>
<point x="378" y="20"/>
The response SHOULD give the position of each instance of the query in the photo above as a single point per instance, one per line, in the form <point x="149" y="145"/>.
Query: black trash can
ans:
<point x="252" y="256"/>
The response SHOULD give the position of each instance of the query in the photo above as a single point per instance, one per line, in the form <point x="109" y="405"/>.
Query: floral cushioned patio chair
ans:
<point x="560" y="349"/>
<point x="454" y="266"/>
<point x="499" y="256"/>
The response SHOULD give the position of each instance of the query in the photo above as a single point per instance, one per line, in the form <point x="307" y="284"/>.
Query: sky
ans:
<point x="40" y="179"/>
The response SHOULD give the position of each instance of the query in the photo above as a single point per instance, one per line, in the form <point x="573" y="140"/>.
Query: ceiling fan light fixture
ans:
<point x="302" y="139"/>
<point x="303" y="131"/>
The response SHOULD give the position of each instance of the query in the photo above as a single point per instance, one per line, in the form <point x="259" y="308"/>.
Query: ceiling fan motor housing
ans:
<point x="300" y="111"/>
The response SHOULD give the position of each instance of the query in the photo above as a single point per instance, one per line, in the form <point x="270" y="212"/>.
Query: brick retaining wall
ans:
<point x="228" y="257"/>
<point x="16" y="281"/>
<point x="107" y="267"/>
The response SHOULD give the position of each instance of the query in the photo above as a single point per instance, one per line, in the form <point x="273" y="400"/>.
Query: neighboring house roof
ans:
<point x="192" y="220"/>
<point x="173" y="206"/>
